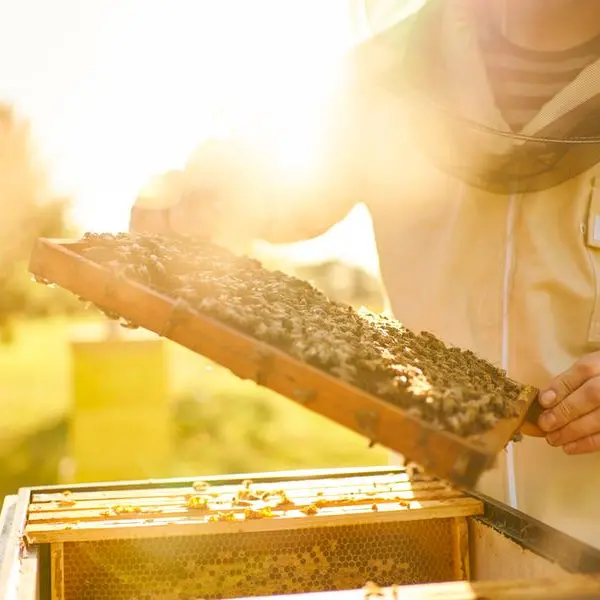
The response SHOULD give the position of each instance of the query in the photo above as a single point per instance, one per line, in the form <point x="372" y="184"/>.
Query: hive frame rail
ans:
<point x="459" y="460"/>
<point x="431" y="500"/>
<point x="90" y="516"/>
<point x="574" y="587"/>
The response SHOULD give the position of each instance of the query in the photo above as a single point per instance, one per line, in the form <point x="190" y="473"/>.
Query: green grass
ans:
<point x="34" y="378"/>
<point x="242" y="426"/>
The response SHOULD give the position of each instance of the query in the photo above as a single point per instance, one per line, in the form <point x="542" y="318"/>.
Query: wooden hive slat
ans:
<point x="41" y="510"/>
<point x="569" y="587"/>
<point x="443" y="454"/>
<point x="82" y="518"/>
<point x="158" y="527"/>
<point x="399" y="480"/>
<point x="328" y="487"/>
<point x="178" y="508"/>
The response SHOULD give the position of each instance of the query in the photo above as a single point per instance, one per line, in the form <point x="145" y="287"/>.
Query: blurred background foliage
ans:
<point x="29" y="210"/>
<point x="219" y="424"/>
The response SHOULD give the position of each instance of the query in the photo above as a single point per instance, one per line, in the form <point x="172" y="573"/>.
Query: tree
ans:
<point x="28" y="210"/>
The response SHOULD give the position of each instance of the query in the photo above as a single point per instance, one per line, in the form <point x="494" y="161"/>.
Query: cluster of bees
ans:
<point x="251" y="503"/>
<point x="246" y="497"/>
<point x="450" y="388"/>
<point x="261" y="504"/>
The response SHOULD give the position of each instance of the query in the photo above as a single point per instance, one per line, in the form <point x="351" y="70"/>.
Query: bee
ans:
<point x="284" y="501"/>
<point x="238" y="502"/>
<point x="64" y="503"/>
<point x="261" y="330"/>
<point x="372" y="589"/>
<point x="246" y="493"/>
<point x="310" y="510"/>
<point x="385" y="388"/>
<point x="262" y="513"/>
<point x="222" y="516"/>
<point x="120" y="509"/>
<point x="413" y="470"/>
<point x="488" y="419"/>
<point x="141" y="274"/>
<point x="517" y="437"/>
<point x="197" y="503"/>
<point x="345" y="372"/>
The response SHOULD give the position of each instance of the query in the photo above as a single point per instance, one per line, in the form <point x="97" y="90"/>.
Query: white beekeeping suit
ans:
<point x="487" y="234"/>
<point x="370" y="17"/>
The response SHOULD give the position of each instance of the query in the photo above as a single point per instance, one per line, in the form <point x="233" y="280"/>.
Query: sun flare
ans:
<point x="136" y="85"/>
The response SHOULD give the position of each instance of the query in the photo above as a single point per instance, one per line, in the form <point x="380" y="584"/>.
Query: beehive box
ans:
<point x="441" y="407"/>
<point x="216" y="538"/>
<point x="308" y="535"/>
<point x="272" y="534"/>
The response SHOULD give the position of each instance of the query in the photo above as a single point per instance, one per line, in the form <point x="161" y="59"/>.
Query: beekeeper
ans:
<point x="472" y="132"/>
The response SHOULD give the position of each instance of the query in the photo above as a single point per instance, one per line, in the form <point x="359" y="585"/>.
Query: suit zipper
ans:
<point x="511" y="482"/>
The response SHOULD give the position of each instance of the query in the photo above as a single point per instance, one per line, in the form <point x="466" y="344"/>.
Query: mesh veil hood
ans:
<point x="429" y="55"/>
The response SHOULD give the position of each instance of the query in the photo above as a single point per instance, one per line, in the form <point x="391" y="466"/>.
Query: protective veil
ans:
<point x="487" y="237"/>
<point x="459" y="128"/>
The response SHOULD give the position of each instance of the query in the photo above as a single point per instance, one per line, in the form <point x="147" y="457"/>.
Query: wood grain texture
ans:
<point x="571" y="587"/>
<point x="450" y="457"/>
<point x="154" y="512"/>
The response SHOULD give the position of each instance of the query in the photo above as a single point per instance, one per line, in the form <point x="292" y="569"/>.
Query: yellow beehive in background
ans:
<point x="120" y="418"/>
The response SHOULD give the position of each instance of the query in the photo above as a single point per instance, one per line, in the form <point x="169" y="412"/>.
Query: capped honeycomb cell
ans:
<point x="262" y="563"/>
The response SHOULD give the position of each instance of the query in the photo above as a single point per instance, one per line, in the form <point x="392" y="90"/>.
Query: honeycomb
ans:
<point x="233" y="565"/>
<point x="451" y="389"/>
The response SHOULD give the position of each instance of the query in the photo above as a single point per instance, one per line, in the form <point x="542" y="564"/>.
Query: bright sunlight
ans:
<point x="134" y="85"/>
<point x="119" y="90"/>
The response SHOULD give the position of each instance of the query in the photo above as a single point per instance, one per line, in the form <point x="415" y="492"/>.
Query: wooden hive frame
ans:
<point x="539" y="559"/>
<point x="59" y="517"/>
<point x="459" y="460"/>
<point x="570" y="587"/>
<point x="150" y="512"/>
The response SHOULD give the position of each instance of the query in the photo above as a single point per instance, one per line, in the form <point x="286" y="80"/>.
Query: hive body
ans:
<point x="148" y="543"/>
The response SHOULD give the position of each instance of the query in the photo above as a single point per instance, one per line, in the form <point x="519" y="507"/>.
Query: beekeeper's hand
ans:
<point x="572" y="400"/>
<point x="220" y="193"/>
